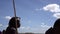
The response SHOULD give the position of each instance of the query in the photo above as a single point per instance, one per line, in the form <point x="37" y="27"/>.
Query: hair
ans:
<point x="13" y="21"/>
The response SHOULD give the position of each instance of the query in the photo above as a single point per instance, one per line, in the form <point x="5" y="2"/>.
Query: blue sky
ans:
<point x="36" y="15"/>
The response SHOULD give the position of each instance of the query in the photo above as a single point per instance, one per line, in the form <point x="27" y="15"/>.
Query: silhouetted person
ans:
<point x="55" y="29"/>
<point x="3" y="32"/>
<point x="0" y="32"/>
<point x="11" y="29"/>
<point x="49" y="31"/>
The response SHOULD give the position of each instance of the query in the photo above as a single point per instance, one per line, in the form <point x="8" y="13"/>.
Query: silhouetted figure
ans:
<point x="0" y="32"/>
<point x="3" y="32"/>
<point x="11" y="29"/>
<point x="49" y="31"/>
<point x="55" y="29"/>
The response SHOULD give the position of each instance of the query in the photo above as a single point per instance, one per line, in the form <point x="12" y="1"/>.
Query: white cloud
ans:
<point x="1" y="25"/>
<point x="39" y="29"/>
<point x="22" y="27"/>
<point x="8" y="17"/>
<point x="5" y="26"/>
<point x="44" y="25"/>
<point x="38" y="9"/>
<point x="25" y="28"/>
<point x="52" y="8"/>
<point x="57" y="15"/>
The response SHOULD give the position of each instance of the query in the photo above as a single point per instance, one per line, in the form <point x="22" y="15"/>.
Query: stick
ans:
<point x="15" y="16"/>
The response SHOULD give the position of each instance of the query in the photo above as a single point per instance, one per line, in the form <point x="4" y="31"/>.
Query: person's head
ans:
<point x="57" y="23"/>
<point x="13" y="21"/>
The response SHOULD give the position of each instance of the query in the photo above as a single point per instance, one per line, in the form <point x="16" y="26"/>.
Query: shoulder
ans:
<point x="10" y="30"/>
<point x="49" y="31"/>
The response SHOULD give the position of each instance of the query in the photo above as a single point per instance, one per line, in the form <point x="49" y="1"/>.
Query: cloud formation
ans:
<point x="1" y="25"/>
<point x="7" y="17"/>
<point x="52" y="8"/>
<point x="26" y="28"/>
<point x="39" y="29"/>
<point x="57" y="15"/>
<point x="44" y="25"/>
<point x="55" y="8"/>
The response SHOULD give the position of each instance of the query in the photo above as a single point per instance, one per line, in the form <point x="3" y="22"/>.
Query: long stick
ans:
<point x="14" y="8"/>
<point x="15" y="16"/>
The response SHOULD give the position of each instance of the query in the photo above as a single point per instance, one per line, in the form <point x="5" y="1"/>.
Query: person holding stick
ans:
<point x="11" y="29"/>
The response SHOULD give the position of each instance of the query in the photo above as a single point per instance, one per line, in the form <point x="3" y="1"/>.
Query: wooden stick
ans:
<point x="15" y="16"/>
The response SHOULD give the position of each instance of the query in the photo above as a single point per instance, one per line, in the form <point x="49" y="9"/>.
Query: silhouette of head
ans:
<point x="49" y="31"/>
<point x="57" y="24"/>
<point x="13" y="21"/>
<point x="55" y="29"/>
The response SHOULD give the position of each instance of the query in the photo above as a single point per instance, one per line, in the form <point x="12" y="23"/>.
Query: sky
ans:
<point x="37" y="16"/>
